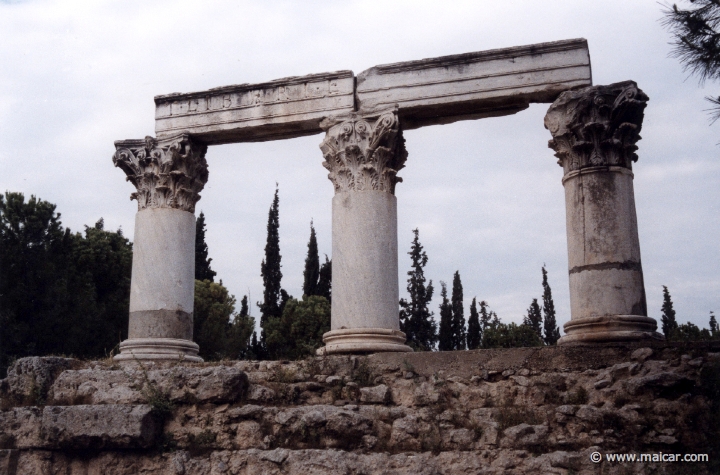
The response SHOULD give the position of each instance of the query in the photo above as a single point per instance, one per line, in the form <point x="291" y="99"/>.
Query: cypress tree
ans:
<point x="324" y="287"/>
<point x="255" y="348"/>
<point x="669" y="324"/>
<point x="534" y="318"/>
<point x="474" y="334"/>
<point x="458" y="314"/>
<point x="240" y="343"/>
<point x="284" y="299"/>
<point x="244" y="309"/>
<point x="415" y="316"/>
<point x="311" y="275"/>
<point x="495" y="320"/>
<point x="713" y="325"/>
<point x="445" y="340"/>
<point x="271" y="305"/>
<point x="552" y="332"/>
<point x="484" y="315"/>
<point x="202" y="261"/>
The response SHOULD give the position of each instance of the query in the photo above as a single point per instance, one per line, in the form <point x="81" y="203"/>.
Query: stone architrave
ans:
<point x="363" y="155"/>
<point x="594" y="131"/>
<point x="169" y="175"/>
<point x="280" y="109"/>
<point x="426" y="92"/>
<point x="475" y="85"/>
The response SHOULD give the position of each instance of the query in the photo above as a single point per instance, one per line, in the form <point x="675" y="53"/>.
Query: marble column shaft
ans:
<point x="168" y="176"/>
<point x="363" y="155"/>
<point x="594" y="131"/>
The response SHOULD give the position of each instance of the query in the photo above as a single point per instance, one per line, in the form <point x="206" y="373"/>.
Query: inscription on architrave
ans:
<point x="284" y="108"/>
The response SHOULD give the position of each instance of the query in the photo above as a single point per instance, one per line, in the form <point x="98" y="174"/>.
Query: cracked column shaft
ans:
<point x="594" y="133"/>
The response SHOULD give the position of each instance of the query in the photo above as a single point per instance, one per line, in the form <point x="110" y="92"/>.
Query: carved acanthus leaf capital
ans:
<point x="167" y="174"/>
<point x="364" y="154"/>
<point x="597" y="126"/>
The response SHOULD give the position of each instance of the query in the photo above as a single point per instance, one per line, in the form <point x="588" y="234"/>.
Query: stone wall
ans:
<point x="542" y="410"/>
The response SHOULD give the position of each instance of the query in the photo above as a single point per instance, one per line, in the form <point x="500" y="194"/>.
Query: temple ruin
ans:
<point x="594" y="130"/>
<point x="553" y="410"/>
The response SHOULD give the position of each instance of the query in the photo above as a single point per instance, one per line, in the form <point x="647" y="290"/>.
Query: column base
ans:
<point x="363" y="340"/>
<point x="158" y="349"/>
<point x="610" y="329"/>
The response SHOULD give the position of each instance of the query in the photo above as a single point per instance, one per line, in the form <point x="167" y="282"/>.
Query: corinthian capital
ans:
<point x="597" y="126"/>
<point x="167" y="174"/>
<point x="364" y="154"/>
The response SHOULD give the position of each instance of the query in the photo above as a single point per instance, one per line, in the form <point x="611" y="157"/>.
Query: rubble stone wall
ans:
<point x="522" y="410"/>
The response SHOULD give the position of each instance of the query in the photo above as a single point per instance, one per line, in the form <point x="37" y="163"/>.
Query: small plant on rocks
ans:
<point x="158" y="399"/>
<point x="363" y="375"/>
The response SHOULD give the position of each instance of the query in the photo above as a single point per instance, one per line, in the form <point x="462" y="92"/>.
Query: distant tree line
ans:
<point x="61" y="292"/>
<point x="484" y="328"/>
<point x="686" y="331"/>
<point x="67" y="293"/>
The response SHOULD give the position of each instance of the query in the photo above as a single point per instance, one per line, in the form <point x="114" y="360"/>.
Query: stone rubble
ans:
<point x="518" y="411"/>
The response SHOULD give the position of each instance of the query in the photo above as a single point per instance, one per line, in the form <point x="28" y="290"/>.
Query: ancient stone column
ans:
<point x="594" y="133"/>
<point x="363" y="155"/>
<point x="169" y="176"/>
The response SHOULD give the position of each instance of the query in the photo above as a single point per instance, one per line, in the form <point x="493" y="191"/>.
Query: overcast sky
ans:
<point x="486" y="195"/>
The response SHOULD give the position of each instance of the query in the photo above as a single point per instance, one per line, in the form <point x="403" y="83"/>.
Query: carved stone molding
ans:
<point x="597" y="126"/>
<point x="167" y="174"/>
<point x="362" y="154"/>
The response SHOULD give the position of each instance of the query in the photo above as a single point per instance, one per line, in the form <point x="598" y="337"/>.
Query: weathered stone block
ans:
<point x="29" y="379"/>
<point x="376" y="395"/>
<point x="475" y="85"/>
<point x="665" y="380"/>
<point x="21" y="427"/>
<point x="217" y="384"/>
<point x="79" y="427"/>
<point x="96" y="427"/>
<point x="284" y="108"/>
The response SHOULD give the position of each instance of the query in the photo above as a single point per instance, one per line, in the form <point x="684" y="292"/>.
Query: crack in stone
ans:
<point x="627" y="265"/>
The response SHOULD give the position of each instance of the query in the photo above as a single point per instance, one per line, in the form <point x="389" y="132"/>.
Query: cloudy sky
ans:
<point x="486" y="195"/>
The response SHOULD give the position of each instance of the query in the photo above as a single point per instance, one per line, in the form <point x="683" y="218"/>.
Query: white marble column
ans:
<point x="363" y="155"/>
<point x="594" y="131"/>
<point x="169" y="176"/>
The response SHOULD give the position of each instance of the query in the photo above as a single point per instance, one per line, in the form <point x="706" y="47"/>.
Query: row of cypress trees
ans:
<point x="484" y="328"/>
<point x="291" y="328"/>
<point x="298" y="331"/>
<point x="686" y="331"/>
<point x="55" y="283"/>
